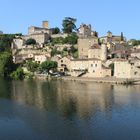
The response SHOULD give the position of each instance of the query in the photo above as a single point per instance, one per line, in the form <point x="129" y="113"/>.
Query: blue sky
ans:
<point x="114" y="15"/>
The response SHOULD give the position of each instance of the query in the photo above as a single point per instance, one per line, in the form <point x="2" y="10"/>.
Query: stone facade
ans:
<point x="40" y="58"/>
<point x="84" y="44"/>
<point x="93" y="67"/>
<point x="97" y="51"/>
<point x="18" y="43"/>
<point x="64" y="64"/>
<point x="111" y="38"/>
<point x="39" y="37"/>
<point x="127" y="68"/>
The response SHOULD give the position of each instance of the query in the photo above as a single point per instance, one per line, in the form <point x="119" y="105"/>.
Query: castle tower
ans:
<point x="103" y="52"/>
<point x="109" y="34"/>
<point x="45" y="24"/>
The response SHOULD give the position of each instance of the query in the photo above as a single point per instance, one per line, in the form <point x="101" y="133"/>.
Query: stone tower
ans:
<point x="103" y="52"/>
<point x="45" y="24"/>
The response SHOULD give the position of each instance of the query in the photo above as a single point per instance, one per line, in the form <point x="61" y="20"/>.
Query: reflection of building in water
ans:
<point x="85" y="98"/>
<point x="71" y="98"/>
<point x="125" y="95"/>
<point x="28" y="93"/>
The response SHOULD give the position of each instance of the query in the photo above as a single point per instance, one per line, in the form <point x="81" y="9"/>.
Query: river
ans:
<point x="66" y="110"/>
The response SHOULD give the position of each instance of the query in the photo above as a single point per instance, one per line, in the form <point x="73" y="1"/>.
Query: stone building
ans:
<point x="64" y="64"/>
<point x="127" y="68"/>
<point x="112" y="38"/>
<point x="18" y="43"/>
<point x="97" y="51"/>
<point x="84" y="44"/>
<point x="91" y="67"/>
<point x="39" y="58"/>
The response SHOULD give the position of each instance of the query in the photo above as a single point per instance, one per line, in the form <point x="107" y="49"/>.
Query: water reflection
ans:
<point x="71" y="98"/>
<point x="68" y="110"/>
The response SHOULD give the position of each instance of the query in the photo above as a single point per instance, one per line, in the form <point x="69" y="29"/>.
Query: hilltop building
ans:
<point x="110" y="38"/>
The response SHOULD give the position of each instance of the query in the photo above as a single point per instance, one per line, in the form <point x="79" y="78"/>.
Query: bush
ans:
<point x="30" y="41"/>
<point x="18" y="74"/>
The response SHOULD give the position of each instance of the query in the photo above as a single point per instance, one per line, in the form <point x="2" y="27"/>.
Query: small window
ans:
<point x="135" y="72"/>
<point x="93" y="71"/>
<point x="91" y="65"/>
<point x="95" y="65"/>
<point x="61" y="61"/>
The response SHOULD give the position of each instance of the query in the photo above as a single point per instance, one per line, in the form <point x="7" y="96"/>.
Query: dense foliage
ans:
<point x="30" y="41"/>
<point x="48" y="65"/>
<point x="5" y="41"/>
<point x="135" y="42"/>
<point x="55" y="30"/>
<point x="18" y="74"/>
<point x="70" y="39"/>
<point x="6" y="64"/>
<point x="32" y="66"/>
<point x="69" y="25"/>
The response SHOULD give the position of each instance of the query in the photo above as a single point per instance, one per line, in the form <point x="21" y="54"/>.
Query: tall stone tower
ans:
<point x="45" y="24"/>
<point x="103" y="52"/>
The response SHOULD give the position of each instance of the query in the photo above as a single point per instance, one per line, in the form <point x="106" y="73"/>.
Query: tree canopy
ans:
<point x="55" y="30"/>
<point x="69" y="25"/>
<point x="30" y="41"/>
<point x="48" y="65"/>
<point x="6" y="64"/>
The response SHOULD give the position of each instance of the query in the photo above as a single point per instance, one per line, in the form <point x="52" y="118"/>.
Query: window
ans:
<point x="93" y="70"/>
<point x="135" y="72"/>
<point x="61" y="61"/>
<point x="91" y="65"/>
<point x="95" y="65"/>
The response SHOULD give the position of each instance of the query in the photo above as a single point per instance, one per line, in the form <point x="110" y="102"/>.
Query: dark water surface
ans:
<point x="58" y="110"/>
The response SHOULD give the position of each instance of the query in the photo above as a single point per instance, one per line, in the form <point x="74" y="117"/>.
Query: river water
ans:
<point x="66" y="110"/>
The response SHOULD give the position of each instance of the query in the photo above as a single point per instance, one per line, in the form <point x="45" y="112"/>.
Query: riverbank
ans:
<point x="111" y="80"/>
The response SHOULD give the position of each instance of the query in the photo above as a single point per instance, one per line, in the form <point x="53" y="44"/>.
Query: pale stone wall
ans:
<point x="84" y="30"/>
<point x="79" y="64"/>
<point x="64" y="63"/>
<point x="37" y="30"/>
<point x="84" y="44"/>
<point x="122" y="69"/>
<point x="94" y="68"/>
<point x="103" y="52"/>
<point x="136" y="54"/>
<point x="40" y="58"/>
<point x="17" y="43"/>
<point x="127" y="69"/>
<point x="40" y="37"/>
<point x="59" y="35"/>
<point x="94" y="53"/>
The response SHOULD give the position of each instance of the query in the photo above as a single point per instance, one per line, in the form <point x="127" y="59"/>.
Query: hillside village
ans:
<point x="87" y="56"/>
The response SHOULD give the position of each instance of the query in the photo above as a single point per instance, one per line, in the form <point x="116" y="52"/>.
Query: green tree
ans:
<point x="32" y="66"/>
<point x="55" y="30"/>
<point x="122" y="38"/>
<point x="6" y="64"/>
<point x="5" y="42"/>
<point x="18" y="74"/>
<point x="48" y="65"/>
<point x="55" y="51"/>
<point x="71" y="39"/>
<point x="69" y="25"/>
<point x="30" y="41"/>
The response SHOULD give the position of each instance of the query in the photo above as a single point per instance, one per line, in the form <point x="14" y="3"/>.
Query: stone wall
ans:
<point x="84" y="44"/>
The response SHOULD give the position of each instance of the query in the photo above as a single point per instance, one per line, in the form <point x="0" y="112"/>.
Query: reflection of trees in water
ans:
<point x="84" y="98"/>
<point x="5" y="88"/>
<point x="67" y="97"/>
